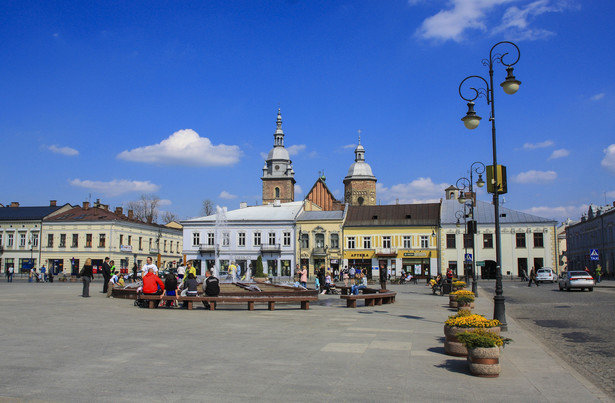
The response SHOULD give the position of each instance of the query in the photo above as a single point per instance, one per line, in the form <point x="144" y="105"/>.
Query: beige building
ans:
<point x="82" y="232"/>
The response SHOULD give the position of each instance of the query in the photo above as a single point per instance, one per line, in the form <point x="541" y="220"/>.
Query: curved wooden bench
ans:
<point x="371" y="299"/>
<point x="250" y="300"/>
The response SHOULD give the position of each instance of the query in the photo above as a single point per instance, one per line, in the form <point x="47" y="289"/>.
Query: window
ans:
<point x="35" y="239"/>
<point x="130" y="240"/>
<point x="277" y="193"/>
<point x="88" y="240"/>
<point x="101" y="240"/>
<point x="75" y="241"/>
<point x="150" y="244"/>
<point x="305" y="241"/>
<point x="165" y="246"/>
<point x="488" y="241"/>
<point x="520" y="237"/>
<point x="9" y="241"/>
<point x="49" y="240"/>
<point x="241" y="239"/>
<point x="272" y="238"/>
<point x="211" y="239"/>
<point x="424" y="241"/>
<point x="367" y="242"/>
<point x="351" y="242"/>
<point x="226" y="239"/>
<point x="335" y="241"/>
<point x="62" y="241"/>
<point x="451" y="242"/>
<point x="257" y="239"/>
<point x="386" y="242"/>
<point x="319" y="240"/>
<point x="468" y="240"/>
<point x="196" y="238"/>
<point x="287" y="239"/>
<point x="407" y="239"/>
<point x="140" y="243"/>
<point x="538" y="240"/>
<point x="121" y="240"/>
<point x="22" y="240"/>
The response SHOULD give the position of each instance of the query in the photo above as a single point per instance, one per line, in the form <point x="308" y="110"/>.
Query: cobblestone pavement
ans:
<point x="578" y="326"/>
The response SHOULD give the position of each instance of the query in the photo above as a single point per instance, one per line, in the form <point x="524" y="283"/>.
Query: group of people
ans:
<point x="324" y="280"/>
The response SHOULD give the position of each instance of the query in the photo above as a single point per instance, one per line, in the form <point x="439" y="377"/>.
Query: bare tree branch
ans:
<point x="208" y="207"/>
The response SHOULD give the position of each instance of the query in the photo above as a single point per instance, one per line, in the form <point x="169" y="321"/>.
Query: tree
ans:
<point x="168" y="217"/>
<point x="208" y="207"/>
<point x="259" y="268"/>
<point x="146" y="208"/>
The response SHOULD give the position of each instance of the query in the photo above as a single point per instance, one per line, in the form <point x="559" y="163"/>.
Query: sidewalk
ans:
<point x="60" y="347"/>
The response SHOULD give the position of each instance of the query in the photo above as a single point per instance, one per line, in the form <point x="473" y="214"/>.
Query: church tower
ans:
<point x="360" y="183"/>
<point x="278" y="175"/>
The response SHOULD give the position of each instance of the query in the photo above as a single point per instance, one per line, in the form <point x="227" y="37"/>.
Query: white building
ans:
<point x="527" y="240"/>
<point x="241" y="236"/>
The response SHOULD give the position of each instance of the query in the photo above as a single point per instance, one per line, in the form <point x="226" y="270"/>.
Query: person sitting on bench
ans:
<point x="152" y="283"/>
<point x="355" y="288"/>
<point x="189" y="288"/>
<point x="212" y="287"/>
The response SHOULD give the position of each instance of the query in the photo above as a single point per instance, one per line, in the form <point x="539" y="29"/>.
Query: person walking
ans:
<point x="9" y="274"/>
<point x="598" y="272"/>
<point x="135" y="268"/>
<point x="304" y="276"/>
<point x="383" y="276"/>
<point x="532" y="278"/>
<point x="106" y="272"/>
<point x="87" y="275"/>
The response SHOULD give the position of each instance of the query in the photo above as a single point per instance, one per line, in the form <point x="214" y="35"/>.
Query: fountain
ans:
<point x="221" y="222"/>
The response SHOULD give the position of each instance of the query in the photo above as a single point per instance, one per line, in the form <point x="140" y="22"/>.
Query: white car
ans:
<point x="576" y="279"/>
<point x="546" y="274"/>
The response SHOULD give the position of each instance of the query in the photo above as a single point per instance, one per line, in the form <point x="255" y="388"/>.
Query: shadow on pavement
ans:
<point x="460" y="366"/>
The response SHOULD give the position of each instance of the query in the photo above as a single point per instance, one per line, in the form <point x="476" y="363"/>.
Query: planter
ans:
<point x="484" y="362"/>
<point x="452" y="346"/>
<point x="260" y="280"/>
<point x="452" y="301"/>
<point x="468" y="306"/>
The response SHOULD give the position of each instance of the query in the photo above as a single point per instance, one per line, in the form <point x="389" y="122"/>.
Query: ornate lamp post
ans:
<point x="471" y="121"/>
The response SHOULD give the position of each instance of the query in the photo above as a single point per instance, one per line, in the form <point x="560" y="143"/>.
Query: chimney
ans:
<point x="243" y="204"/>
<point x="14" y="204"/>
<point x="53" y="203"/>
<point x="119" y="211"/>
<point x="130" y="214"/>
<point x="86" y="205"/>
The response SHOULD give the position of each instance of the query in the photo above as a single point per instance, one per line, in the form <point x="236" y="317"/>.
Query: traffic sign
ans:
<point x="468" y="257"/>
<point x="480" y="263"/>
<point x="593" y="254"/>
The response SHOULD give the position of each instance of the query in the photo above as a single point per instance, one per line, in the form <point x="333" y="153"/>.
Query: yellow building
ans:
<point x="403" y="237"/>
<point x="319" y="239"/>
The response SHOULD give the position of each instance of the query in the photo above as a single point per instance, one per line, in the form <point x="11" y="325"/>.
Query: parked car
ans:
<point x="546" y="274"/>
<point x="576" y="279"/>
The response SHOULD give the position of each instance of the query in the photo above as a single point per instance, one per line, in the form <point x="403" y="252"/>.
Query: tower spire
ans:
<point x="279" y="133"/>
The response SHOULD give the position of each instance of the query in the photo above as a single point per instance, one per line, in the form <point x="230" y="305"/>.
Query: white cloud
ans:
<point x="164" y="202"/>
<point x="452" y="23"/>
<point x="353" y="146"/>
<point x="597" y="97"/>
<point x="116" y="187"/>
<point x="609" y="158"/>
<point x="533" y="146"/>
<point x="610" y="194"/>
<point x="421" y="190"/>
<point x="298" y="190"/>
<point x="559" y="213"/>
<point x="295" y="149"/>
<point x="533" y="176"/>
<point x="226" y="195"/>
<point x="464" y="15"/>
<point x="184" y="147"/>
<point x="562" y="152"/>
<point x="63" y="150"/>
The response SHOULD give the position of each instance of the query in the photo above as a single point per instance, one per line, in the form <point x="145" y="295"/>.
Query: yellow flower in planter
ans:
<point x="473" y="320"/>
<point x="462" y="292"/>
<point x="459" y="284"/>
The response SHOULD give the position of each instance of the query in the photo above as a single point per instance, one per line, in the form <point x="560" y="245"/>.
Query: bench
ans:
<point x="154" y="299"/>
<point x="371" y="299"/>
<point x="250" y="300"/>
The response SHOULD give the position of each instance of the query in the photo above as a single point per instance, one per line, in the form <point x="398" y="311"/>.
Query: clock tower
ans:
<point x="360" y="183"/>
<point x="278" y="174"/>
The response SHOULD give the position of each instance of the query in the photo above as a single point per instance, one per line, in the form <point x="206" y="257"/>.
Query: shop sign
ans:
<point x="417" y="254"/>
<point x="334" y="261"/>
<point x="358" y="255"/>
<point x="126" y="248"/>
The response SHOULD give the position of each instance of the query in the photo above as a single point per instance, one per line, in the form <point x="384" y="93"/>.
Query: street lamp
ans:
<point x="471" y="121"/>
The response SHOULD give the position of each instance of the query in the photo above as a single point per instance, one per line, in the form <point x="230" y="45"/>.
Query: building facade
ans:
<point x="21" y="229"/>
<point x="241" y="236"/>
<point x="594" y="233"/>
<point x="95" y="232"/>
<point x="319" y="239"/>
<point x="527" y="241"/>
<point x="278" y="175"/>
<point x="403" y="237"/>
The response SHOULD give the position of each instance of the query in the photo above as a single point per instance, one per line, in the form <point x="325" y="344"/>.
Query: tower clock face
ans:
<point x="277" y="167"/>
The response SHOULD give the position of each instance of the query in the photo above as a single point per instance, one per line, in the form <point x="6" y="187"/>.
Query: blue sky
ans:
<point x="112" y="99"/>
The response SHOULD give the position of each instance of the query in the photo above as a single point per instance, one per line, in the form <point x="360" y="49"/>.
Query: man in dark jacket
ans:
<point x="106" y="272"/>
<point x="383" y="273"/>
<point x="212" y="287"/>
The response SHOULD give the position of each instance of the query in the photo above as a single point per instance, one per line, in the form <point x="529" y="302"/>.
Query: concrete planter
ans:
<point x="452" y="301"/>
<point x="484" y="362"/>
<point x="468" y="306"/>
<point x="452" y="346"/>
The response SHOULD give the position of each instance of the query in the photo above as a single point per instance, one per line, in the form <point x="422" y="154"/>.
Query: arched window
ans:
<point x="277" y="193"/>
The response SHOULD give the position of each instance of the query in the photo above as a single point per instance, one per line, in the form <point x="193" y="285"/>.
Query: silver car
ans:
<point x="546" y="274"/>
<point x="576" y="279"/>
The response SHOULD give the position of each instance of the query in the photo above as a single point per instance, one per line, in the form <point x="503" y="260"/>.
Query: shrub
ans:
<point x="459" y="283"/>
<point x="471" y="320"/>
<point x="259" y="268"/>
<point x="462" y="292"/>
<point x="465" y="298"/>
<point x="479" y="338"/>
